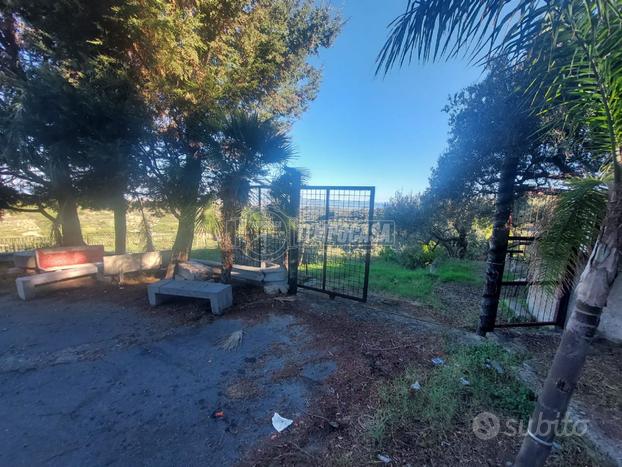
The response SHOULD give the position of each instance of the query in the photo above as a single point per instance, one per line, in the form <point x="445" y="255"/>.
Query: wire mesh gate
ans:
<point x="260" y="230"/>
<point x="334" y="240"/>
<point x="525" y="298"/>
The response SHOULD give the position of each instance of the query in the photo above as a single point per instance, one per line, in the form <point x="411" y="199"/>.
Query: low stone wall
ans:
<point x="25" y="260"/>
<point x="273" y="277"/>
<point x="135" y="262"/>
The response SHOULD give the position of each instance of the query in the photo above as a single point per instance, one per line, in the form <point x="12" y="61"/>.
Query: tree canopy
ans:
<point x="107" y="98"/>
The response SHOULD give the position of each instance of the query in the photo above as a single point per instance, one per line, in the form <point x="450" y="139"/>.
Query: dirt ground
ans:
<point x="93" y="375"/>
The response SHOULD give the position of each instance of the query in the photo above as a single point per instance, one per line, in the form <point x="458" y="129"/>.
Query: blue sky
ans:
<point x="368" y="130"/>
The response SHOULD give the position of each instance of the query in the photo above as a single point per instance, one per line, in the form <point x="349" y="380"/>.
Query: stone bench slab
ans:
<point x="135" y="262"/>
<point x="26" y="285"/>
<point x="219" y="295"/>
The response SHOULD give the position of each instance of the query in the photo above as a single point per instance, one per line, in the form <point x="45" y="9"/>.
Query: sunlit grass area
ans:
<point x="391" y="278"/>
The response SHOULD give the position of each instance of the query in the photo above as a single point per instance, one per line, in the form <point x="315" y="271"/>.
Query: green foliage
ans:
<point x="284" y="185"/>
<point x="246" y="149"/>
<point x="435" y="219"/>
<point x="416" y="256"/>
<point x="406" y="210"/>
<point x="443" y="403"/>
<point x="572" y="229"/>
<point x="387" y="253"/>
<point x="83" y="82"/>
<point x="570" y="49"/>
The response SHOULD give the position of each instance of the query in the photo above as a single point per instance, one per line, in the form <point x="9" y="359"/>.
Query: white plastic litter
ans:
<point x="438" y="361"/>
<point x="415" y="386"/>
<point x="464" y="381"/>
<point x="279" y="423"/>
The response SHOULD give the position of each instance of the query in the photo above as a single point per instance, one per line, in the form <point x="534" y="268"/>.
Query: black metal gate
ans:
<point x="525" y="299"/>
<point x="334" y="240"/>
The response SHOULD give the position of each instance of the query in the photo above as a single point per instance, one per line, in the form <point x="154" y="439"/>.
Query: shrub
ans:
<point x="416" y="256"/>
<point x="387" y="253"/>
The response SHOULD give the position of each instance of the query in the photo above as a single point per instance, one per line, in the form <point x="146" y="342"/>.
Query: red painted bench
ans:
<point x="53" y="259"/>
<point x="61" y="264"/>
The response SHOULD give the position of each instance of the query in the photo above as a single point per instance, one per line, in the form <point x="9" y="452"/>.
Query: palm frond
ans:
<point x="571" y="230"/>
<point x="434" y="29"/>
<point x="282" y="187"/>
<point x="211" y="220"/>
<point x="583" y="73"/>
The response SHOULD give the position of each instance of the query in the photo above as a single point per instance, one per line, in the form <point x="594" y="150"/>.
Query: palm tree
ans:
<point x="285" y="194"/>
<point x="572" y="49"/>
<point x="247" y="148"/>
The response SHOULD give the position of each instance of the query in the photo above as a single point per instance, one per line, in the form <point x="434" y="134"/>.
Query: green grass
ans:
<point x="443" y="402"/>
<point x="212" y="254"/>
<point x="444" y="405"/>
<point x="394" y="279"/>
<point x="390" y="277"/>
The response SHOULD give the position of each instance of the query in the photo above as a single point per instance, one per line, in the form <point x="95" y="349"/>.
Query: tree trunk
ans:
<point x="190" y="185"/>
<point x="592" y="293"/>
<point x="184" y="238"/>
<point x="498" y="246"/>
<point x="120" y="225"/>
<point x="145" y="228"/>
<point x="462" y="243"/>
<point x="70" y="222"/>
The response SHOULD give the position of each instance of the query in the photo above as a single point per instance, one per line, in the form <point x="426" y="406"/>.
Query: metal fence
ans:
<point x="525" y="298"/>
<point x="11" y="244"/>
<point x="135" y="242"/>
<point x="334" y="235"/>
<point x="261" y="230"/>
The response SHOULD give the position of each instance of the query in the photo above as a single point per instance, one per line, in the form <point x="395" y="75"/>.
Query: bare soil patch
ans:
<point x="344" y="354"/>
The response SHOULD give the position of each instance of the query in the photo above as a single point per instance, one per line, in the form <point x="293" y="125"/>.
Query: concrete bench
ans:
<point x="219" y="295"/>
<point x="26" y="285"/>
<point x="273" y="278"/>
<point x="52" y="259"/>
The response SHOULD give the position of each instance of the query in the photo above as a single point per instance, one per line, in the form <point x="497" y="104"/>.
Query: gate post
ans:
<point x="293" y="248"/>
<point x="370" y="221"/>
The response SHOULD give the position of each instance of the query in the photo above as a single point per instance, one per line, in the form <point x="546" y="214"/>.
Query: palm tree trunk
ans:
<point x="120" y="225"/>
<point x="592" y="293"/>
<point x="70" y="222"/>
<point x="227" y="240"/>
<point x="498" y="246"/>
